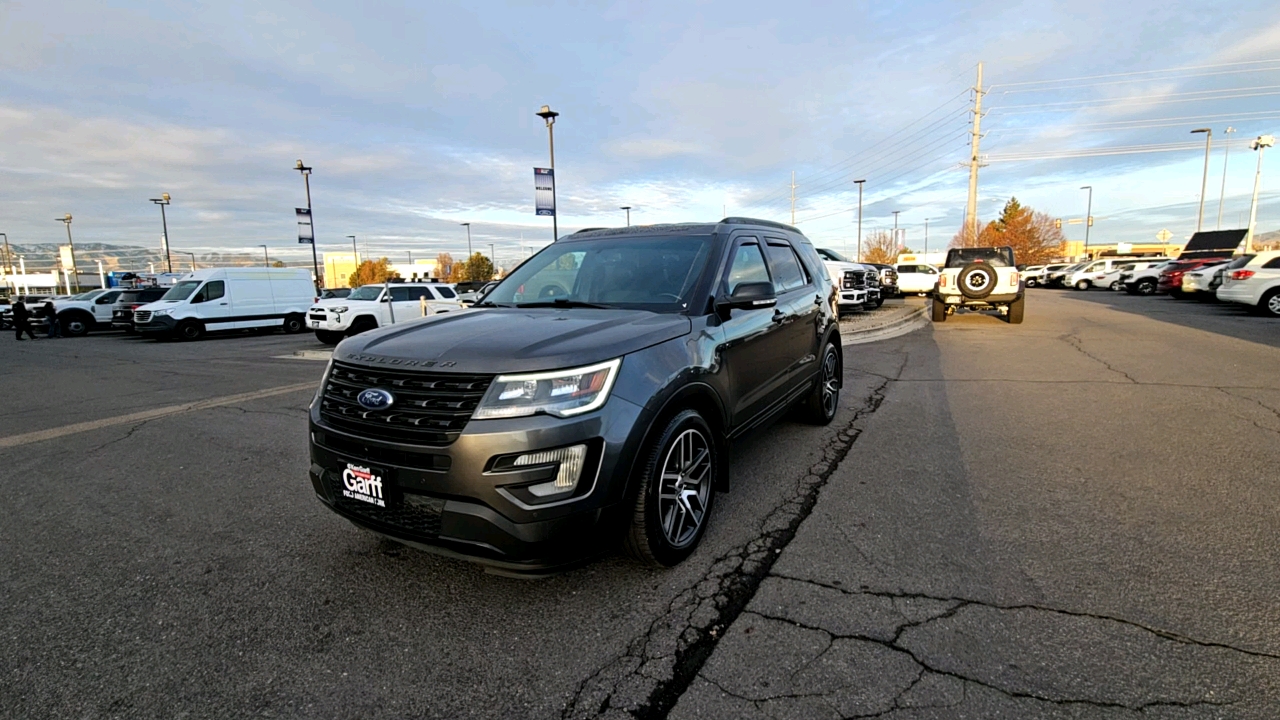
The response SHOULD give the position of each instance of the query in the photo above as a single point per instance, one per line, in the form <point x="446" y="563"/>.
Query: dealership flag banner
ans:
<point x="305" y="234"/>
<point x="544" y="191"/>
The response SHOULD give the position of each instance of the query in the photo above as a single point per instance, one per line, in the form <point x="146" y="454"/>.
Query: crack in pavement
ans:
<point x="133" y="429"/>
<point x="1075" y="341"/>
<point x="647" y="679"/>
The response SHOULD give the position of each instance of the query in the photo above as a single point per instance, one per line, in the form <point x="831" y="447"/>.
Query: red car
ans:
<point x="1171" y="277"/>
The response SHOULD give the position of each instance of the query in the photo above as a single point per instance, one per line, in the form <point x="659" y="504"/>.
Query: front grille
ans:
<point x="314" y="316"/>
<point x="142" y="316"/>
<point x="417" y="514"/>
<point x="854" y="280"/>
<point x="429" y="408"/>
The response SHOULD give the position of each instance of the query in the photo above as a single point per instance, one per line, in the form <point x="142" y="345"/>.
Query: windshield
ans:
<point x="831" y="255"/>
<point x="366" y="292"/>
<point x="647" y="273"/>
<point x="182" y="290"/>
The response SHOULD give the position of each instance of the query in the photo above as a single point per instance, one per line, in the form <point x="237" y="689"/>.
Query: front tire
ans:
<point x="1082" y="285"/>
<point x="676" y="493"/>
<point x="939" y="310"/>
<point x="1269" y="305"/>
<point x="74" y="326"/>
<point x="1145" y="287"/>
<point x="1031" y="282"/>
<point x="1114" y="286"/>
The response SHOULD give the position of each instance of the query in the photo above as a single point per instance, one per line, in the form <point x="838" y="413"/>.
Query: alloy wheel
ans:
<point x="685" y="487"/>
<point x="830" y="383"/>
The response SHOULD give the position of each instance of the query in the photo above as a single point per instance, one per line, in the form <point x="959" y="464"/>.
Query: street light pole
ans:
<point x="266" y="261"/>
<point x="1088" y="216"/>
<point x="859" y="183"/>
<point x="164" y="223"/>
<point x="546" y="113"/>
<point x="306" y="179"/>
<point x="8" y="264"/>
<point x="355" y="254"/>
<point x="75" y="273"/>
<point x="628" y="209"/>
<point x="1262" y="142"/>
<point x="926" y="236"/>
<point x="1226" y="155"/>
<point x="193" y="258"/>
<point x="493" y="259"/>
<point x="1204" y="180"/>
<point x="895" y="229"/>
<point x="467" y="225"/>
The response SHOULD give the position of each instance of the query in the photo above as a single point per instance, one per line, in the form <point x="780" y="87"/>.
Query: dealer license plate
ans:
<point x="315" y="323"/>
<point x="365" y="483"/>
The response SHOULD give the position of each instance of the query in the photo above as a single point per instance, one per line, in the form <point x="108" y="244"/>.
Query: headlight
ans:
<point x="162" y="312"/>
<point x="562" y="393"/>
<point x="340" y="309"/>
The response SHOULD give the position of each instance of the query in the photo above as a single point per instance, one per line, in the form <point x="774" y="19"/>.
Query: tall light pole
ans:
<point x="1204" y="180"/>
<point x="467" y="225"/>
<point x="546" y="113"/>
<point x="859" y="183"/>
<point x="164" y="223"/>
<point x="355" y="254"/>
<point x="266" y="261"/>
<point x="306" y="179"/>
<point x="1226" y="155"/>
<point x="66" y="220"/>
<point x="1262" y="142"/>
<point x="926" y="236"/>
<point x="8" y="264"/>
<point x="1088" y="216"/>
<point x="493" y="260"/>
<point x="628" y="209"/>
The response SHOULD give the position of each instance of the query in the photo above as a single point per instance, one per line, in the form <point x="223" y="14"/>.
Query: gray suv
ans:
<point x="590" y="398"/>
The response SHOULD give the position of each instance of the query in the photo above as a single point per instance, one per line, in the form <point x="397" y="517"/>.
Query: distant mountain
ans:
<point x="43" y="257"/>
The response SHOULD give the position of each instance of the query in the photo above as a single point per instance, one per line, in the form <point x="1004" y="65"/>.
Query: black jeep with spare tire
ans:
<point x="544" y="428"/>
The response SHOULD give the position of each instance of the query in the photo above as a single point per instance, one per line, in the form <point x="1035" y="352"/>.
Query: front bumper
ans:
<point x="327" y="321"/>
<point x="849" y="298"/>
<point x="158" y="324"/>
<point x="448" y="499"/>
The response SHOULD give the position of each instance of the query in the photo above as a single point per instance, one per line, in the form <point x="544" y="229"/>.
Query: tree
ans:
<point x="277" y="263"/>
<point x="372" y="272"/>
<point x="880" y="247"/>
<point x="479" y="268"/>
<point x="1032" y="235"/>
<point x="444" y="265"/>
<point x="457" y="273"/>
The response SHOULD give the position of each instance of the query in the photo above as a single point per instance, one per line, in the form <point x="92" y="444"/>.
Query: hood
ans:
<point x="508" y="340"/>
<point x="842" y="266"/>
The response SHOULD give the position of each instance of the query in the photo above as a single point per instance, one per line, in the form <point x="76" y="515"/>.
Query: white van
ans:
<point x="230" y="299"/>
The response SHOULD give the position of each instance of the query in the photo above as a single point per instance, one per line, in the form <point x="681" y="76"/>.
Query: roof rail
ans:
<point x="590" y="229"/>
<point x="758" y="221"/>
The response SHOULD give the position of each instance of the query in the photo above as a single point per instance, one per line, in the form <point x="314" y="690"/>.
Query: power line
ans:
<point x="1146" y="123"/>
<point x="1154" y="79"/>
<point x="1137" y="72"/>
<point x="1098" y="152"/>
<point x="1156" y="99"/>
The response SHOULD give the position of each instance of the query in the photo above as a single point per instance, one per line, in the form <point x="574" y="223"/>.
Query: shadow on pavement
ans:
<point x="1230" y="319"/>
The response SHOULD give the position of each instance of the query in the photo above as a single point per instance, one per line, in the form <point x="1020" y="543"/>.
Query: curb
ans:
<point x="913" y="321"/>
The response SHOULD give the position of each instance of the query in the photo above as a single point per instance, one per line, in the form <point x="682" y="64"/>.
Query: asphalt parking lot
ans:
<point x="1070" y="518"/>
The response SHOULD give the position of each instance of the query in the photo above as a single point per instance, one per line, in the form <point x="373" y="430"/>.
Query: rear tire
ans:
<point x="1145" y="287"/>
<point x="1083" y="285"/>
<point x="676" y="493"/>
<point x="1177" y="295"/>
<point x="189" y="330"/>
<point x="1031" y="282"/>
<point x="1269" y="305"/>
<point x="820" y="408"/>
<point x="939" y="310"/>
<point x="75" y="326"/>
<point x="329" y="337"/>
<point x="294" y="324"/>
<point x="1016" y="309"/>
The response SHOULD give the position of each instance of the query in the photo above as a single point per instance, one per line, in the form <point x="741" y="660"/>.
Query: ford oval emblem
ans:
<point x="375" y="399"/>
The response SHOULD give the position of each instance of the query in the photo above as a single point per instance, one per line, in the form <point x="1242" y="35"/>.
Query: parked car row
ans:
<point x="1251" y="279"/>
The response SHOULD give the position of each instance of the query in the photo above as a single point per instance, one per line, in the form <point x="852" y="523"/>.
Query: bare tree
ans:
<point x="880" y="247"/>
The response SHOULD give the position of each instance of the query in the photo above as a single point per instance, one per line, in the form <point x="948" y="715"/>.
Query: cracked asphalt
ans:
<point x="1074" y="518"/>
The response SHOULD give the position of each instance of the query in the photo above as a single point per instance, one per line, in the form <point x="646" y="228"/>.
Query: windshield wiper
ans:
<point x="562" y="303"/>
<point x="487" y="303"/>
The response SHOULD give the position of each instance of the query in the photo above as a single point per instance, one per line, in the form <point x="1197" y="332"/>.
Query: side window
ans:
<point x="747" y="266"/>
<point x="108" y="298"/>
<point x="400" y="293"/>
<point x="787" y="271"/>
<point x="1272" y="264"/>
<point x="214" y="290"/>
<point x="445" y="292"/>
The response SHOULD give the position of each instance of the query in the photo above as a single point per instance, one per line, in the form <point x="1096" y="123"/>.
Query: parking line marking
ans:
<point x="52" y="433"/>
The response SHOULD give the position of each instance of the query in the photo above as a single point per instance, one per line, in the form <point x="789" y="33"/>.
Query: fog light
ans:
<point x="570" y="460"/>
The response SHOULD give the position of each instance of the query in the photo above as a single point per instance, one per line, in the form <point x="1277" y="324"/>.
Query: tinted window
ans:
<point x="211" y="291"/>
<point x="108" y="298"/>
<point x="999" y="257"/>
<point x="1239" y="262"/>
<point x="747" y="266"/>
<point x="787" y="273"/>
<point x="405" y="294"/>
<point x="1272" y="264"/>
<point x="366" y="292"/>
<point x="446" y="292"/>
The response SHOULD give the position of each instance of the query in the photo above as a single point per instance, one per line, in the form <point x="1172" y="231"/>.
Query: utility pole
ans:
<point x="1226" y="155"/>
<point x="896" y="243"/>
<point x="8" y="264"/>
<point x="1261" y="143"/>
<point x="793" y="197"/>
<point x="971" y="208"/>
<point x="926" y="236"/>
<point x="66" y="220"/>
<point x="355" y="254"/>
<point x="859" y="183"/>
<point x="1088" y="217"/>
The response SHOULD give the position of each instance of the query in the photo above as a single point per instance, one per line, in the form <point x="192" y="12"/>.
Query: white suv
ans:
<point x="980" y="279"/>
<point x="373" y="306"/>
<point x="1256" y="284"/>
<point x="859" y="284"/>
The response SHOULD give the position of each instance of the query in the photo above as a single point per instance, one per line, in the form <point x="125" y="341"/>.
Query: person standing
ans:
<point x="22" y="320"/>
<point x="54" y="329"/>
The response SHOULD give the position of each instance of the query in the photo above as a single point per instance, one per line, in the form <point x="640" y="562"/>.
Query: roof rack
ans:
<point x="758" y="221"/>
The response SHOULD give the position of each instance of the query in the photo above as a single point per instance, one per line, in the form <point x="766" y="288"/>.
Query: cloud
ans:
<point x="652" y="148"/>
<point x="458" y="81"/>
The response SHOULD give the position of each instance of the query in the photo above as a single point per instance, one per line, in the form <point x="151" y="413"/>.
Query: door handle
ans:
<point x="779" y="316"/>
<point x="222" y="303"/>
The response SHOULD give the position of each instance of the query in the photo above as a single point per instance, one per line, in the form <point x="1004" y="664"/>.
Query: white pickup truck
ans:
<point x="980" y="279"/>
<point x="858" y="284"/>
<point x="374" y="306"/>
<point x="87" y="311"/>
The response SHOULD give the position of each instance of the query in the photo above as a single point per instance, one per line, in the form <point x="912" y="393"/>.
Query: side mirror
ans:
<point x="386" y="298"/>
<point x="749" y="296"/>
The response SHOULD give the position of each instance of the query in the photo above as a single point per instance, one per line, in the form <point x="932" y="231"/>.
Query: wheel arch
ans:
<point x="697" y="396"/>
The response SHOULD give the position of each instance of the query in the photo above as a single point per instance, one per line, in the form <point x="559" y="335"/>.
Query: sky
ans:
<point x="417" y="117"/>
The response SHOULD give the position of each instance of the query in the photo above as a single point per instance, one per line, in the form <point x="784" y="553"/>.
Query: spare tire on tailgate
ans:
<point x="976" y="280"/>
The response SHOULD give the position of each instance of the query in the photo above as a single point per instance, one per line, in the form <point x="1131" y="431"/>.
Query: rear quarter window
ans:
<point x="1272" y="264"/>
